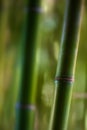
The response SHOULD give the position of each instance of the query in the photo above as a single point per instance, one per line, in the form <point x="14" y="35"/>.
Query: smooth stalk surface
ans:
<point x="26" y="104"/>
<point x="66" y="65"/>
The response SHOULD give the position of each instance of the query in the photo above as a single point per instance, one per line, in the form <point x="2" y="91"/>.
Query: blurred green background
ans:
<point x="12" y="15"/>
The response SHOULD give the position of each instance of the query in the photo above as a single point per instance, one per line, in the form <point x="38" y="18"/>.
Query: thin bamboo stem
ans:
<point x="26" y="104"/>
<point x="66" y="65"/>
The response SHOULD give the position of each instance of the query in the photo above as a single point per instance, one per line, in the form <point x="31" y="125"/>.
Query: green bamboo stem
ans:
<point x="66" y="65"/>
<point x="26" y="104"/>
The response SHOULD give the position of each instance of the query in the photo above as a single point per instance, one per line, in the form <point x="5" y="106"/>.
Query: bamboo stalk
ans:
<point x="66" y="65"/>
<point x="26" y="104"/>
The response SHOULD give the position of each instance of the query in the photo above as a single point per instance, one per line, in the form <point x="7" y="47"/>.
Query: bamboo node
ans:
<point x="34" y="9"/>
<point x="25" y="106"/>
<point x="64" y="79"/>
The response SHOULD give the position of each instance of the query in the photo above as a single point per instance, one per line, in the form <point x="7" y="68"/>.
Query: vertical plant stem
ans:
<point x="66" y="65"/>
<point x="26" y="104"/>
